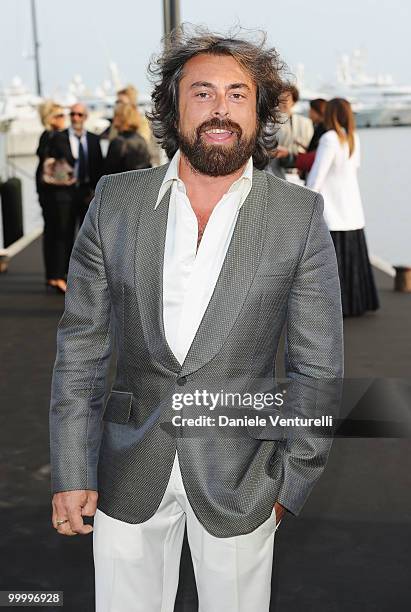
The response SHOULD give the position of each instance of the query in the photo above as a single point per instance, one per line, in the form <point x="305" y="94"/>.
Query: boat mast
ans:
<point x="36" y="47"/>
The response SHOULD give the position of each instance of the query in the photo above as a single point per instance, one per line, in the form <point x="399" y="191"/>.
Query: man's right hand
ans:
<point x="71" y="506"/>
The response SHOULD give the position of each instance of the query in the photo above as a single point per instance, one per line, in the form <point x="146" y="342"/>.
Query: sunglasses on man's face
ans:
<point x="74" y="114"/>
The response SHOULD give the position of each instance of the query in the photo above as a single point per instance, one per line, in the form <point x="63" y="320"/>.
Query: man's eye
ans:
<point x="238" y="96"/>
<point x="202" y="94"/>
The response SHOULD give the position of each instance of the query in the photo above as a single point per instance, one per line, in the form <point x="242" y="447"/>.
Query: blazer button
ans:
<point x="181" y="381"/>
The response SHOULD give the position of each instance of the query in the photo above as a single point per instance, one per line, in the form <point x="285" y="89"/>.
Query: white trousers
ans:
<point x="137" y="566"/>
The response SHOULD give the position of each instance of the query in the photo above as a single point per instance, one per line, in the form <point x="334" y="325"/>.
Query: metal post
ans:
<point x="171" y="13"/>
<point x="36" y="45"/>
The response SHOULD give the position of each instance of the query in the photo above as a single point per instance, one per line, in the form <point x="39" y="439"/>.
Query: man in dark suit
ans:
<point x="82" y="151"/>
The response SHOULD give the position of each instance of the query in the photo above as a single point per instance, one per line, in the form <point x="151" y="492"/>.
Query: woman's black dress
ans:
<point x="128" y="151"/>
<point x="358" y="291"/>
<point x="58" y="232"/>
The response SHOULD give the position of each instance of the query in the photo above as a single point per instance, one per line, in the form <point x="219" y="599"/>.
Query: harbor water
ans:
<point x="385" y="188"/>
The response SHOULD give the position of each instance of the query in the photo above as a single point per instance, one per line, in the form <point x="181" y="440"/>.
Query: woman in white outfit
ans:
<point x="334" y="175"/>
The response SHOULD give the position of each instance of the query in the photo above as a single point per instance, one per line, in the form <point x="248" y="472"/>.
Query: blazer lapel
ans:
<point x="148" y="270"/>
<point x="237" y="272"/>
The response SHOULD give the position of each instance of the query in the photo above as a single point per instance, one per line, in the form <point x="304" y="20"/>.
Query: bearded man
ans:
<point x="191" y="270"/>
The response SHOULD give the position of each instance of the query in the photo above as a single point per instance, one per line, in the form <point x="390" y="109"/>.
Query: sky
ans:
<point x="83" y="36"/>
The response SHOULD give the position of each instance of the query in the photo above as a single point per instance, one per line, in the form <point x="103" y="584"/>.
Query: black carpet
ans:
<point x="348" y="551"/>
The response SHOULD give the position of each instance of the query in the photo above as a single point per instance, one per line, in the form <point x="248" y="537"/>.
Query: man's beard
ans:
<point x="217" y="159"/>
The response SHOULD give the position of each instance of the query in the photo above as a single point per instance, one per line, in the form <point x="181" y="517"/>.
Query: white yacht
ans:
<point x="377" y="100"/>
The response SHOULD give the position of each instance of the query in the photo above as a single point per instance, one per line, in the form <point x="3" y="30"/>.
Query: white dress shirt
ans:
<point x="334" y="175"/>
<point x="189" y="276"/>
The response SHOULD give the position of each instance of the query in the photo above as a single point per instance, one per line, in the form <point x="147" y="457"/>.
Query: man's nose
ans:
<point x="221" y="106"/>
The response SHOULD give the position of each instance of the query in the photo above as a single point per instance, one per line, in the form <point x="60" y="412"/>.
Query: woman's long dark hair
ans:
<point x="339" y="117"/>
<point x="262" y="64"/>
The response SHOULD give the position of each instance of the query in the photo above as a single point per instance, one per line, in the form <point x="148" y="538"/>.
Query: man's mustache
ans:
<point x="221" y="124"/>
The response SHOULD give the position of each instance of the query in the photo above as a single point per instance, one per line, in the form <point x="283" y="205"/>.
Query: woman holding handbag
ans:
<point x="51" y="175"/>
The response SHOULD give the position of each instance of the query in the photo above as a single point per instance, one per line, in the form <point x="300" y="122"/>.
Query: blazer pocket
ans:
<point x="118" y="407"/>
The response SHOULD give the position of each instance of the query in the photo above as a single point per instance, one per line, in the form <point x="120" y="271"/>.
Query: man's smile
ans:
<point x="218" y="135"/>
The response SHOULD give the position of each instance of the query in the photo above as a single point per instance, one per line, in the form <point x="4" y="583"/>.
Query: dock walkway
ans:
<point x="351" y="543"/>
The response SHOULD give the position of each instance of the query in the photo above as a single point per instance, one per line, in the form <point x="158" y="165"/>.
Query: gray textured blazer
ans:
<point x="280" y="269"/>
